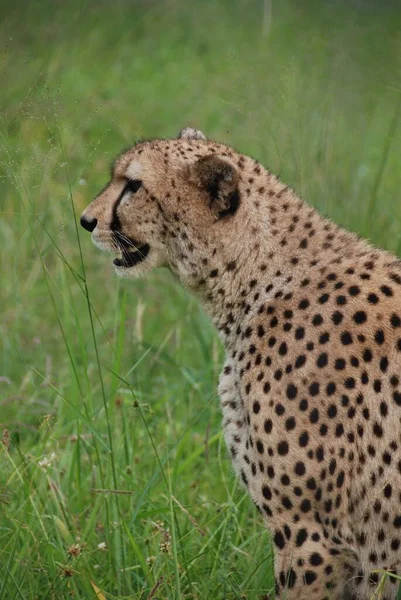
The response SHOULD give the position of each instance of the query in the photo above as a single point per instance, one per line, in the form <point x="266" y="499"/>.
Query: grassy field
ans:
<point x="109" y="385"/>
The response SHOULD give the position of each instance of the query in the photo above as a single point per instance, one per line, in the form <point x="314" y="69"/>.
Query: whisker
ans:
<point x="121" y="244"/>
<point x="122" y="237"/>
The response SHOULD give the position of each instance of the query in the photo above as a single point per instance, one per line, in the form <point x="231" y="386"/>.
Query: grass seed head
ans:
<point x="75" y="550"/>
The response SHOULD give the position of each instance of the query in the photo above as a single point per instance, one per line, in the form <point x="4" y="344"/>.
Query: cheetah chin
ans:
<point x="310" y="318"/>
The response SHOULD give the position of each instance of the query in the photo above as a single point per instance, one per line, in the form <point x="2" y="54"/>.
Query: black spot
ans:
<point x="279" y="540"/>
<point x="282" y="448"/>
<point x="344" y="400"/>
<point x="379" y="337"/>
<point x="285" y="480"/>
<point x="290" y="424"/>
<point x="266" y="387"/>
<point x="346" y="338"/>
<point x="383" y="364"/>
<point x="367" y="355"/>
<point x="340" y="479"/>
<point x="354" y="290"/>
<point x="320" y="454"/>
<point x="339" y="430"/>
<point x="387" y="291"/>
<point x="331" y="388"/>
<point x="378" y="430"/>
<point x="317" y="320"/>
<point x="299" y="333"/>
<point x="339" y="364"/>
<point x="301" y="538"/>
<point x="303" y="304"/>
<point x="373" y="299"/>
<point x="283" y="349"/>
<point x="397" y="398"/>
<point x="337" y="317"/>
<point x="324" y="338"/>
<point x="377" y="385"/>
<point x="266" y="492"/>
<point x="395" y="320"/>
<point x="397" y="522"/>
<point x="305" y="505"/>
<point x="332" y="411"/>
<point x="316" y="559"/>
<point x="360" y="317"/>
<point x="349" y="383"/>
<point x="268" y="425"/>
<point x="300" y="361"/>
<point x="311" y="483"/>
<point x="261" y="331"/>
<point x="322" y="360"/>
<point x="304" y="439"/>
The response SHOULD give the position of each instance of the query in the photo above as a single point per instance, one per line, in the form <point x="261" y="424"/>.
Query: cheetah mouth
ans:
<point x="129" y="259"/>
<point x="132" y="252"/>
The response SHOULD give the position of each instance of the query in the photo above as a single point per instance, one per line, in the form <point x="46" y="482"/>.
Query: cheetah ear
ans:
<point x="191" y="134"/>
<point x="219" y="179"/>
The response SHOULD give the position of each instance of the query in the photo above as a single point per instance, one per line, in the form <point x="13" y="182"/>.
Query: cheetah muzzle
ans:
<point x="310" y="318"/>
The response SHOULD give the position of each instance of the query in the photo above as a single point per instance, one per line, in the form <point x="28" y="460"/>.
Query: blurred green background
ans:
<point x="110" y="385"/>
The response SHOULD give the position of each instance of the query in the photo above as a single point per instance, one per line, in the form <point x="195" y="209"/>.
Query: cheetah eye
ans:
<point x="132" y="186"/>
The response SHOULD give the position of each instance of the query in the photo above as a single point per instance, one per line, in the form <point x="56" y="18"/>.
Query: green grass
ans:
<point x="111" y="385"/>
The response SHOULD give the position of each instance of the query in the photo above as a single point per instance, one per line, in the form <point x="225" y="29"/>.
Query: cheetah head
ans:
<point x="168" y="203"/>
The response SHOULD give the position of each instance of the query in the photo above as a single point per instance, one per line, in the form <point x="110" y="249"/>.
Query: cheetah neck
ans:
<point x="282" y="243"/>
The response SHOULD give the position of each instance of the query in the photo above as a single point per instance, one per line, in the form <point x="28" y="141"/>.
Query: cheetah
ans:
<point x="310" y="318"/>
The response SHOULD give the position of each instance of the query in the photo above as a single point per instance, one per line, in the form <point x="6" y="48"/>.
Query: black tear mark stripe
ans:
<point x="115" y="224"/>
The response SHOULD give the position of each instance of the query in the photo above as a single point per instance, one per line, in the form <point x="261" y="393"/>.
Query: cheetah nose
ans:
<point x="88" y="224"/>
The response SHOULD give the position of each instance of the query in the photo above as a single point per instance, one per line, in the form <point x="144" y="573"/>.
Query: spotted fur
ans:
<point x="310" y="317"/>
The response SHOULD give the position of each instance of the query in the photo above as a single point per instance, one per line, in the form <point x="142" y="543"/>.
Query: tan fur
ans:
<point x="310" y="316"/>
